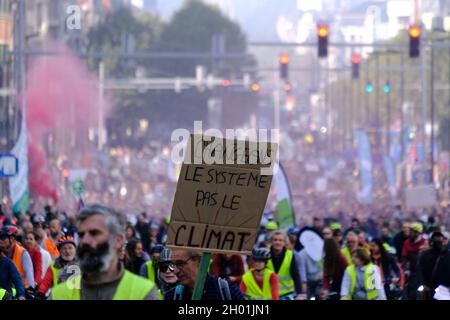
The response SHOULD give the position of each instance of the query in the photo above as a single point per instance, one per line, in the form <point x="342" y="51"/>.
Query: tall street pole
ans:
<point x="432" y="112"/>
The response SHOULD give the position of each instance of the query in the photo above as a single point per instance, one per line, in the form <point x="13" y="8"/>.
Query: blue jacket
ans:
<point x="10" y="277"/>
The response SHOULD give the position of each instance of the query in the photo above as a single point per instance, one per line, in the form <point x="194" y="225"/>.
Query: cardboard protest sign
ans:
<point x="420" y="196"/>
<point x="218" y="207"/>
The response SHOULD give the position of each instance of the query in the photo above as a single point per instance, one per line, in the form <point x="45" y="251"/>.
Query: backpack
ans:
<point x="224" y="290"/>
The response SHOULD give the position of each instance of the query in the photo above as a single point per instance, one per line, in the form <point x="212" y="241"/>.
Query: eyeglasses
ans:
<point x="163" y="267"/>
<point x="181" y="263"/>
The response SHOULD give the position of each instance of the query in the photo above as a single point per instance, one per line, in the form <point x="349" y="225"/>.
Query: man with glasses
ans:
<point x="186" y="264"/>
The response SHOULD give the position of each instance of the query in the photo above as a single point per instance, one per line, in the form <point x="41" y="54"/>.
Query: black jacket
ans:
<point x="210" y="291"/>
<point x="426" y="265"/>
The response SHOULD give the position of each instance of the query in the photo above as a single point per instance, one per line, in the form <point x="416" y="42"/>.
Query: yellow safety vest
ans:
<point x="3" y="293"/>
<point x="150" y="271"/>
<point x="348" y="255"/>
<point x="369" y="287"/>
<point x="284" y="274"/>
<point x="55" y="272"/>
<point x="131" y="287"/>
<point x="253" y="290"/>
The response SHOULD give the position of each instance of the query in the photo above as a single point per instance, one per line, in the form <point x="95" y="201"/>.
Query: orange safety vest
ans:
<point x="17" y="259"/>
<point x="51" y="248"/>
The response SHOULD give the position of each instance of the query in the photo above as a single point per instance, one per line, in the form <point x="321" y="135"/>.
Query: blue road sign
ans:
<point x="9" y="165"/>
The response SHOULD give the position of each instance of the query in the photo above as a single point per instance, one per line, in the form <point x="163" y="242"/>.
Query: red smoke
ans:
<point x="39" y="179"/>
<point x="60" y="94"/>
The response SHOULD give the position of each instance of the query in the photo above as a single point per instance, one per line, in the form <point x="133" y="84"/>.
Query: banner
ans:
<point x="18" y="185"/>
<point x="390" y="175"/>
<point x="365" y="164"/>
<point x="218" y="206"/>
<point x="285" y="214"/>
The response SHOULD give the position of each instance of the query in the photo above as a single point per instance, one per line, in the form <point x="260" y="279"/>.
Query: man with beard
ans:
<point x="101" y="232"/>
<point x="65" y="266"/>
<point x="51" y="241"/>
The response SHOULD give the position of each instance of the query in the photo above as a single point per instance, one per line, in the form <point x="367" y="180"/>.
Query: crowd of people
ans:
<point x="104" y="255"/>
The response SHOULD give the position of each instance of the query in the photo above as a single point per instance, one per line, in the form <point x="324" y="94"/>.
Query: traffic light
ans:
<point x="414" y="41"/>
<point x="356" y="61"/>
<point x="369" y="87"/>
<point x="387" y="88"/>
<point x="255" y="87"/>
<point x="287" y="87"/>
<point x="322" y="34"/>
<point x="284" y="64"/>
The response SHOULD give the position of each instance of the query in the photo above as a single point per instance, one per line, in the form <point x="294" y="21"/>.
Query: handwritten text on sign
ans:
<point x="218" y="208"/>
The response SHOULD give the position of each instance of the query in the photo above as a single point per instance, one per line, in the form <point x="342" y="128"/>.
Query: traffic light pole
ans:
<point x="432" y="113"/>
<point x="388" y="109"/>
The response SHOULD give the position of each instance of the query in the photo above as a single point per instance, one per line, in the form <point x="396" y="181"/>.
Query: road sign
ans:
<point x="9" y="165"/>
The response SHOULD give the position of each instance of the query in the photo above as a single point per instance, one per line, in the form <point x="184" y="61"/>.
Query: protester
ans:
<point x="335" y="263"/>
<point x="282" y="262"/>
<point x="136" y="257"/>
<point x="410" y="253"/>
<point x="387" y="264"/>
<point x="400" y="238"/>
<point x="351" y="244"/>
<point x="10" y="279"/>
<point x="102" y="234"/>
<point x="433" y="267"/>
<point x="260" y="283"/>
<point x="362" y="280"/>
<point x="33" y="248"/>
<point x="186" y="268"/>
<point x="18" y="254"/>
<point x="311" y="274"/>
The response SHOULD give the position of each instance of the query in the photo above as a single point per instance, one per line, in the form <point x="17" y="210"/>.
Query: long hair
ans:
<point x="384" y="255"/>
<point x="332" y="251"/>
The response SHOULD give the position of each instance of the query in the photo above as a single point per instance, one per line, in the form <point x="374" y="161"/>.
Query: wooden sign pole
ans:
<point x="201" y="276"/>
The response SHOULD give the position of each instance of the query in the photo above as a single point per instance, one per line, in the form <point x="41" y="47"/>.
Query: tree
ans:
<point x="192" y="29"/>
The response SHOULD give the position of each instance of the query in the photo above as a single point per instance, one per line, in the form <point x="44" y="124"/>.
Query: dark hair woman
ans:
<point x="390" y="272"/>
<point x="334" y="264"/>
<point x="136" y="256"/>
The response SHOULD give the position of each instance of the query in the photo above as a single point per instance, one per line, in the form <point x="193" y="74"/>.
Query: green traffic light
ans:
<point x="369" y="88"/>
<point x="387" y="88"/>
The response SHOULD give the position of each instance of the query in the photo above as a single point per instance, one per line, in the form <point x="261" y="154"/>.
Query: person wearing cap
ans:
<point x="433" y="266"/>
<point x="410" y="253"/>
<point x="149" y="269"/>
<point x="101" y="231"/>
<point x="18" y="254"/>
<point x="167" y="279"/>
<point x="259" y="282"/>
<point x="63" y="267"/>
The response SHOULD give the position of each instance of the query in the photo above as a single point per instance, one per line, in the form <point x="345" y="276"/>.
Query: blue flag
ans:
<point x="365" y="164"/>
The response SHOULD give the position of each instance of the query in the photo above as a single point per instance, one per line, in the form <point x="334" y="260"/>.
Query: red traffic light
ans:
<point x="226" y="83"/>
<point x="356" y="58"/>
<point x="414" y="31"/>
<point x="284" y="58"/>
<point x="287" y="87"/>
<point x="255" y="87"/>
<point x="322" y="31"/>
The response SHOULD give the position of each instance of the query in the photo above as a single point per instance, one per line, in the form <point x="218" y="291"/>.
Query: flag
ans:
<point x="390" y="175"/>
<point x="365" y="164"/>
<point x="18" y="185"/>
<point x="285" y="215"/>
